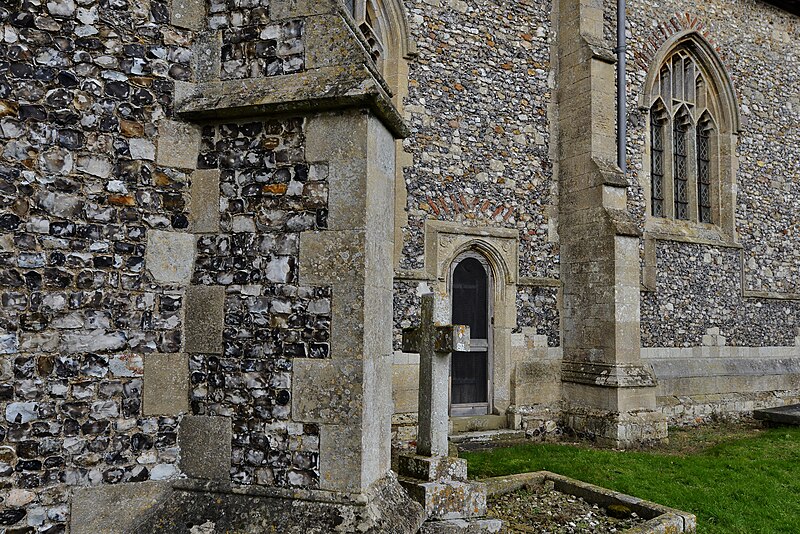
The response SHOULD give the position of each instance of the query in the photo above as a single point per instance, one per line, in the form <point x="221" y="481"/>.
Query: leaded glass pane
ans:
<point x="703" y="174"/>
<point x="679" y="169"/>
<point x="657" y="166"/>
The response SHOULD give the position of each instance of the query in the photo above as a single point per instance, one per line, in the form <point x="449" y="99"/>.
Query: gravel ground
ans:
<point x="546" y="511"/>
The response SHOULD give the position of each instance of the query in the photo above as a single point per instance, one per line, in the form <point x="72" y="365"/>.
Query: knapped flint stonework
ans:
<point x="83" y="88"/>
<point x="269" y="194"/>
<point x="477" y="107"/>
<point x="407" y="304"/>
<point x="115" y="238"/>
<point x="700" y="287"/>
<point x="251" y="46"/>
<point x="537" y="308"/>
<point x="751" y="38"/>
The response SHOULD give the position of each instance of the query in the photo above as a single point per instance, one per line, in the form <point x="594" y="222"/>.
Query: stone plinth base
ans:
<point x="439" y="484"/>
<point x="448" y="499"/>
<point x="462" y="526"/>
<point x="614" y="429"/>
<point x="432" y="468"/>
<point x="183" y="506"/>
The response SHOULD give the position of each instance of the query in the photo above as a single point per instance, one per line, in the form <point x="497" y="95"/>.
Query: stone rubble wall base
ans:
<point x="189" y="506"/>
<point x="699" y="409"/>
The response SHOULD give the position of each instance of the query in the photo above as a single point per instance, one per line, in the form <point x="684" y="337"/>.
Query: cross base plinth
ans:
<point x="462" y="526"/>
<point x="439" y="484"/>
<point x="432" y="468"/>
<point x="447" y="499"/>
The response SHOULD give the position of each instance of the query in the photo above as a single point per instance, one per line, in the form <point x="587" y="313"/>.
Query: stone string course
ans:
<point x="269" y="194"/>
<point x="752" y="38"/>
<point x="83" y="86"/>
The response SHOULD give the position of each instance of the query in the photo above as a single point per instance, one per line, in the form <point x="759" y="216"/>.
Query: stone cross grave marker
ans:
<point x="434" y="342"/>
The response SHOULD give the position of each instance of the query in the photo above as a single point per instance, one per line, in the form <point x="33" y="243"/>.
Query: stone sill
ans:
<point x="769" y="295"/>
<point x="659" y="518"/>
<point x="662" y="229"/>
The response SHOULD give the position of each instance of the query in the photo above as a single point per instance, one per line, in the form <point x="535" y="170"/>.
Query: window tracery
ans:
<point x="685" y="162"/>
<point x="367" y="15"/>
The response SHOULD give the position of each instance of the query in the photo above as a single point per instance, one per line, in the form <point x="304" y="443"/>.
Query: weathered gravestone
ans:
<point x="780" y="415"/>
<point x="434" y="479"/>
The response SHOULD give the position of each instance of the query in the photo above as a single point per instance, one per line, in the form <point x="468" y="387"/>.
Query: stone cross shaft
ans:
<point x="434" y="342"/>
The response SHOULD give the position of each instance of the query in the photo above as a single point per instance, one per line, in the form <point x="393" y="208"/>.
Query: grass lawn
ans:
<point x="739" y="479"/>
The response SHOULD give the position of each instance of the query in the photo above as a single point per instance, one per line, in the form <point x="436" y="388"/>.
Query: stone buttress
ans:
<point x="607" y="392"/>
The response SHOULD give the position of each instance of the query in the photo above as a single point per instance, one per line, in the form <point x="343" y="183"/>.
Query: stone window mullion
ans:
<point x="692" y="173"/>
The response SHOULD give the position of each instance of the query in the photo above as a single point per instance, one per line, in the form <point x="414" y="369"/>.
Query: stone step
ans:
<point x="477" y="423"/>
<point x="487" y="436"/>
<point x="462" y="526"/>
<point x="448" y="499"/>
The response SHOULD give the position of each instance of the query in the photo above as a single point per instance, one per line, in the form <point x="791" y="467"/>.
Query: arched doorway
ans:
<point x="470" y="384"/>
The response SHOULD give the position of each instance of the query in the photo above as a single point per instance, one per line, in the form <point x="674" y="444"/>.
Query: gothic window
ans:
<point x="692" y="121"/>
<point x="680" y="145"/>
<point x="689" y="161"/>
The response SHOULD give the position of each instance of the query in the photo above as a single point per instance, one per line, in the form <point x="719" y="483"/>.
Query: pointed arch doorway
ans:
<point x="470" y="372"/>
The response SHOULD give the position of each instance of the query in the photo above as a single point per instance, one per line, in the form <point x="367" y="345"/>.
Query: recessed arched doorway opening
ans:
<point x="471" y="290"/>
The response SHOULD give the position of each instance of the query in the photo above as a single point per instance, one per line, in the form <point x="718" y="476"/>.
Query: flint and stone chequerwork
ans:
<point x="216" y="218"/>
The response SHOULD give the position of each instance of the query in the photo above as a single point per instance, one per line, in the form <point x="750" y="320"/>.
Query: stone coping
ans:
<point x="659" y="518"/>
<point x="301" y="494"/>
<point x="312" y="91"/>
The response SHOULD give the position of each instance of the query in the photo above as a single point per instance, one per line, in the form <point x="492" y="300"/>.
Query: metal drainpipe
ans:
<point x="622" y="114"/>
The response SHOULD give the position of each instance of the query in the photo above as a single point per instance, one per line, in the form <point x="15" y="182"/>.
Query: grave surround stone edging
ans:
<point x="659" y="518"/>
